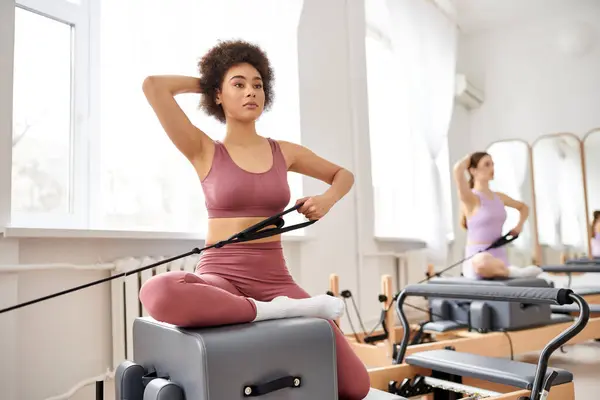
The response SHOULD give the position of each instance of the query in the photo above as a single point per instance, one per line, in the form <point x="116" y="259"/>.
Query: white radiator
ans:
<point x="126" y="306"/>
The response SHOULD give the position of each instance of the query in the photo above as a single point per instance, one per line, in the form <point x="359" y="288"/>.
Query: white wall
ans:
<point x="334" y="124"/>
<point x="531" y="87"/>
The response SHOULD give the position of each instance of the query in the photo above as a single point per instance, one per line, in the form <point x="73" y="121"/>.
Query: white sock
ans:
<point x="530" y="271"/>
<point x="320" y="306"/>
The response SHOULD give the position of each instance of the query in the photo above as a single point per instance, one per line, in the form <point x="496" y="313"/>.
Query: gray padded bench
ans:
<point x="514" y="282"/>
<point x="220" y="362"/>
<point x="496" y="370"/>
<point x="450" y="314"/>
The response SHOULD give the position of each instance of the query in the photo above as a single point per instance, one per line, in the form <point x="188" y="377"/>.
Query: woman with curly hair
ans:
<point x="244" y="179"/>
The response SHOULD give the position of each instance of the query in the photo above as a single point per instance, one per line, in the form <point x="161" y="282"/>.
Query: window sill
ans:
<point x="406" y="244"/>
<point x="57" y="233"/>
<point x="401" y="240"/>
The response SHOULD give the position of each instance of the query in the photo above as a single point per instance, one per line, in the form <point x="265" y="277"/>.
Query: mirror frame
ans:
<point x="537" y="250"/>
<point x="587" y="208"/>
<point x="584" y="184"/>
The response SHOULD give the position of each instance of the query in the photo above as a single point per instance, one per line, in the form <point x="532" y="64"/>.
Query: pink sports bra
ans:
<point x="230" y="191"/>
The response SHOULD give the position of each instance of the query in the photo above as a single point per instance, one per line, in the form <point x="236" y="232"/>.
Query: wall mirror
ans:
<point x="591" y="149"/>
<point x="513" y="177"/>
<point x="561" y="217"/>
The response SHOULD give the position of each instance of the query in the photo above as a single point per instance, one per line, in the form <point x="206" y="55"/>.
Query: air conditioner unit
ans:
<point x="467" y="94"/>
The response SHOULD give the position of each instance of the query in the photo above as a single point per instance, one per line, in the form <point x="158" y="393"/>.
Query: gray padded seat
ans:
<point x="459" y="280"/>
<point x="497" y="370"/>
<point x="443" y="326"/>
<point x="375" y="394"/>
<point x="569" y="308"/>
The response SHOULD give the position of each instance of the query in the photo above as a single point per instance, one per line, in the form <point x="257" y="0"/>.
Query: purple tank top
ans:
<point x="485" y="225"/>
<point x="596" y="245"/>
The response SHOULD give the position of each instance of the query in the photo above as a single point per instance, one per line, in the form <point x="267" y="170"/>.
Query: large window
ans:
<point x="403" y="182"/>
<point x="391" y="142"/>
<point x="49" y="109"/>
<point x="134" y="178"/>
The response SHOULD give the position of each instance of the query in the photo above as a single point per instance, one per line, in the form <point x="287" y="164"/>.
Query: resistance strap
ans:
<point x="257" y="231"/>
<point x="501" y="241"/>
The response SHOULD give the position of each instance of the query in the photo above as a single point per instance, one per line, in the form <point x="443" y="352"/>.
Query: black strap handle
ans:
<point x="252" y="233"/>
<point x="277" y="384"/>
<point x="502" y="241"/>
<point x="258" y="231"/>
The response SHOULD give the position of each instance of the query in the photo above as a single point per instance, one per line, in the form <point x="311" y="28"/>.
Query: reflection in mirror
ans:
<point x="559" y="197"/>
<point x="591" y="148"/>
<point x="512" y="176"/>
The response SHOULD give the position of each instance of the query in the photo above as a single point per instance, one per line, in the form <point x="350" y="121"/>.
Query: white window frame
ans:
<point x="77" y="15"/>
<point x="85" y="183"/>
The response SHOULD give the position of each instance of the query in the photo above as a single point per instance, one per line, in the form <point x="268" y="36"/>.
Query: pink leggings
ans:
<point x="219" y="293"/>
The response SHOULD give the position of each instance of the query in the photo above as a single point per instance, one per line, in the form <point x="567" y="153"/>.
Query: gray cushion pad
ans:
<point x="491" y="369"/>
<point x="569" y="308"/>
<point x="443" y="326"/>
<point x="375" y="394"/>
<point x="458" y="280"/>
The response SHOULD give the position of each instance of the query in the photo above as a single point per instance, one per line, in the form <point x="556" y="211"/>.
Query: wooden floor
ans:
<point x="583" y="361"/>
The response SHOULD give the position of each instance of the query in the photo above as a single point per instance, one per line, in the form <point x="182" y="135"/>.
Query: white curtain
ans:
<point x="424" y="41"/>
<point x="145" y="182"/>
<point x="392" y="148"/>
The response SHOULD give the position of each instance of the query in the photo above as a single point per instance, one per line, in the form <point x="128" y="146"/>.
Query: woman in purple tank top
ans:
<point x="483" y="216"/>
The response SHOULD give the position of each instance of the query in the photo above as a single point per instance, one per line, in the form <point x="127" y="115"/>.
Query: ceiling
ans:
<point x="478" y="15"/>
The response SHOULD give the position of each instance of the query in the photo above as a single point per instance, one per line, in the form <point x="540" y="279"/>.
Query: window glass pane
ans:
<point x="145" y="182"/>
<point x="391" y="143"/>
<point x="41" y="167"/>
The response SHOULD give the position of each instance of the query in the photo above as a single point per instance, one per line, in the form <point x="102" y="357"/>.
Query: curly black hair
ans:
<point x="218" y="60"/>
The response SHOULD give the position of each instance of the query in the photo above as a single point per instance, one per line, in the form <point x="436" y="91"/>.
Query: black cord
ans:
<point x="362" y="325"/>
<point x="510" y="343"/>
<point x="351" y="324"/>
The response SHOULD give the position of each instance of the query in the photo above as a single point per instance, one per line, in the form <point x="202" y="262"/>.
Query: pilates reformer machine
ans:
<point x="294" y="358"/>
<point x="216" y="363"/>
<point x="578" y="267"/>
<point x="485" y="327"/>
<point x="449" y="370"/>
<point x="515" y="328"/>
